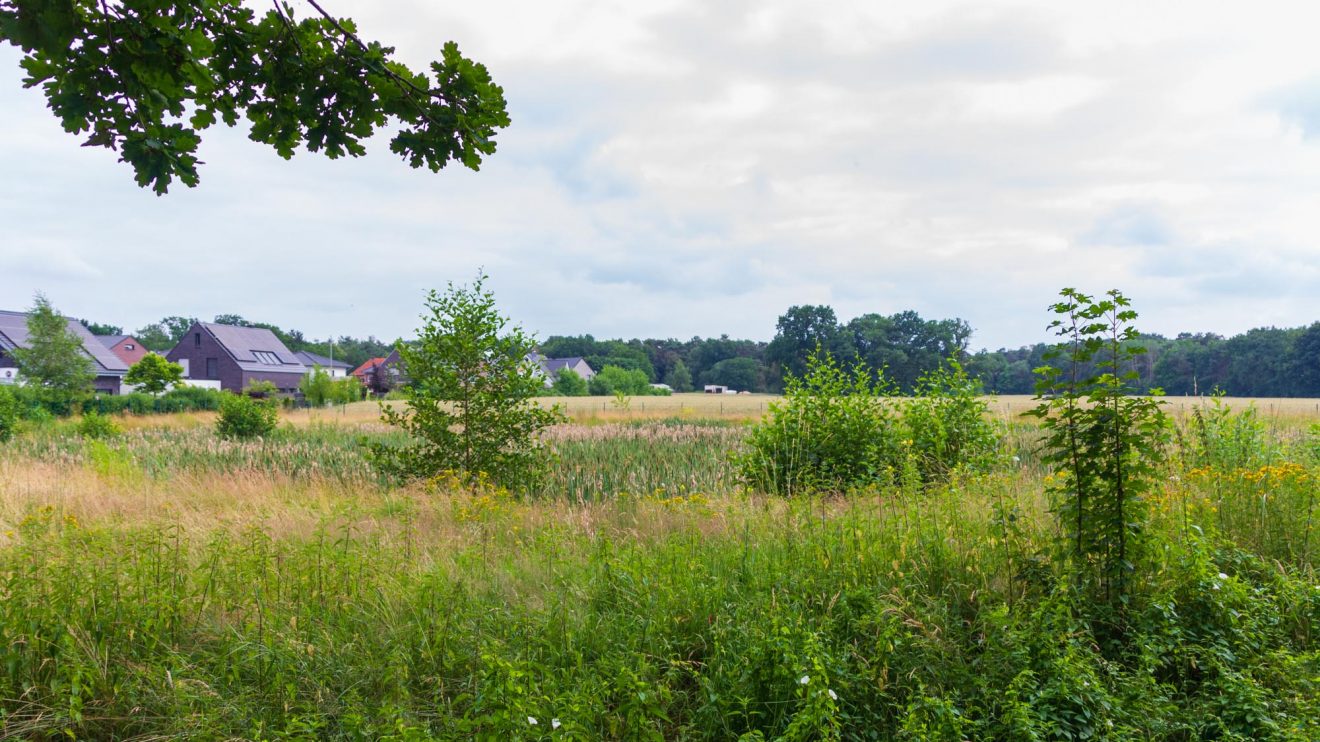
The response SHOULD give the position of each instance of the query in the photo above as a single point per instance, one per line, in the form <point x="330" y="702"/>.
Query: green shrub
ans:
<point x="612" y="379"/>
<point x="947" y="425"/>
<point x="9" y="413"/>
<point x="833" y="431"/>
<point x="242" y="416"/>
<point x="1218" y="438"/>
<point x="96" y="425"/>
<point x="569" y="384"/>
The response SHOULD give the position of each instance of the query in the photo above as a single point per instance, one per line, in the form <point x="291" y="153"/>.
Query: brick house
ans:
<point x="237" y="356"/>
<point x="109" y="370"/>
<point x="127" y="347"/>
<point x="366" y="373"/>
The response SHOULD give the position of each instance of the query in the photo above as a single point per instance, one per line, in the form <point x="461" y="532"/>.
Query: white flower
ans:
<point x="1016" y="459"/>
<point x="1214" y="586"/>
<point x="1223" y="576"/>
<point x="804" y="680"/>
<point x="554" y="723"/>
<point x="531" y="720"/>
<point x="833" y="696"/>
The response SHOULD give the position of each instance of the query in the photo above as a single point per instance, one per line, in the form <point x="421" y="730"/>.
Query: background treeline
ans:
<point x="1264" y="362"/>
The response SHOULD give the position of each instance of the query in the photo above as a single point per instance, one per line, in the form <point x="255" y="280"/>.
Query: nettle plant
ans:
<point x="1103" y="438"/>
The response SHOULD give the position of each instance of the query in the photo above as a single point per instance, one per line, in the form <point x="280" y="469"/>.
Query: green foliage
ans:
<point x="470" y="407"/>
<point x="679" y="378"/>
<point x="1218" y="438"/>
<point x="833" y="431"/>
<point x="96" y="328"/>
<point x="154" y="374"/>
<point x="261" y="389"/>
<point x="613" y="380"/>
<point x="948" y="425"/>
<point x="165" y="334"/>
<point x="54" y="361"/>
<point x="145" y="80"/>
<point x="96" y="425"/>
<point x="243" y="416"/>
<point x="568" y="383"/>
<point x="1103" y="440"/>
<point x="743" y="374"/>
<point x="319" y="389"/>
<point x="9" y="413"/>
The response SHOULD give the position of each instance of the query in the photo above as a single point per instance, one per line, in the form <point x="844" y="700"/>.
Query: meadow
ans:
<point x="163" y="583"/>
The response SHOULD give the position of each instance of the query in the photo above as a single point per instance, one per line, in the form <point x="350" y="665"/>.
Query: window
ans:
<point x="129" y="346"/>
<point x="212" y="369"/>
<point x="197" y="339"/>
<point x="267" y="357"/>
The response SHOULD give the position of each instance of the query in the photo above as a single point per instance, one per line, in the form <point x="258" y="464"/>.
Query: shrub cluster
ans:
<point x="841" y="429"/>
<point x="29" y="403"/>
<point x="242" y="416"/>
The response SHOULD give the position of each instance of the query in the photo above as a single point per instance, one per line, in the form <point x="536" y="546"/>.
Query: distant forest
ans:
<point x="1264" y="362"/>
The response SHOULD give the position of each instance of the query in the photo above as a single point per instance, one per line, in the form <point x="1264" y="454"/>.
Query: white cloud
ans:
<point x="684" y="168"/>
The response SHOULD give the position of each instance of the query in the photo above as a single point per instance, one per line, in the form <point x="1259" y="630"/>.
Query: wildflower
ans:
<point x="554" y="723"/>
<point x="1214" y="586"/>
<point x="804" y="680"/>
<point x="833" y="696"/>
<point x="1223" y="576"/>
<point x="1017" y="459"/>
<point x="531" y="720"/>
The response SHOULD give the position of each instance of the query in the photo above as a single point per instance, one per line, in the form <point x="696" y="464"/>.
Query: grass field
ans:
<point x="166" y="584"/>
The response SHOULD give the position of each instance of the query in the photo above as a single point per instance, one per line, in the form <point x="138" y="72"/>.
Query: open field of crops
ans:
<point x="167" y="584"/>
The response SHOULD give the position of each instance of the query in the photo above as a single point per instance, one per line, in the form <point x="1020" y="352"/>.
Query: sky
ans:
<point x="686" y="167"/>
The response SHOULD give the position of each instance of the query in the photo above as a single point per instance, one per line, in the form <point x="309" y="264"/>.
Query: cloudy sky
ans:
<point x="687" y="167"/>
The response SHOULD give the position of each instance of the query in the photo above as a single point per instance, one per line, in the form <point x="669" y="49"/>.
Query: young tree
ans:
<point x="153" y="374"/>
<point x="144" y="79"/>
<point x="470" y="405"/>
<point x="1104" y="439"/>
<point x="54" y="360"/>
<point x="679" y="378"/>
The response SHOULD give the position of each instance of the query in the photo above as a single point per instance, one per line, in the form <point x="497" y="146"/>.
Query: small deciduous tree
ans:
<point x="470" y="409"/>
<point x="1103" y="438"/>
<point x="154" y="374"/>
<point x="679" y="378"/>
<point x="54" y="360"/>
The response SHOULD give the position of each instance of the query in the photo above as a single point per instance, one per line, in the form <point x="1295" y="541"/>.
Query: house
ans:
<point x="717" y="389"/>
<point x="237" y="356"/>
<point x="390" y="373"/>
<point x="550" y="367"/>
<point x="336" y="368"/>
<point x="366" y="373"/>
<point x="108" y="368"/>
<point x="127" y="347"/>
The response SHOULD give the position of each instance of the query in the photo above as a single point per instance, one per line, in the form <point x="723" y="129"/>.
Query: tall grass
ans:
<point x="316" y="608"/>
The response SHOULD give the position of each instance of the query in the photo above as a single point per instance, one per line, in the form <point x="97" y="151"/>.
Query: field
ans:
<point x="166" y="584"/>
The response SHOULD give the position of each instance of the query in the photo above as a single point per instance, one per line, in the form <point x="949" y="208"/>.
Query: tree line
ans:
<point x="1263" y="362"/>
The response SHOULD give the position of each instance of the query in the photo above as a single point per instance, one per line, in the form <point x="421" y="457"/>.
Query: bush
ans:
<point x="242" y="416"/>
<point x="1219" y="438"/>
<point x="947" y="426"/>
<point x="833" y="431"/>
<point x="183" y="399"/>
<point x="569" y="384"/>
<point x="96" y="425"/>
<point x="9" y="413"/>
